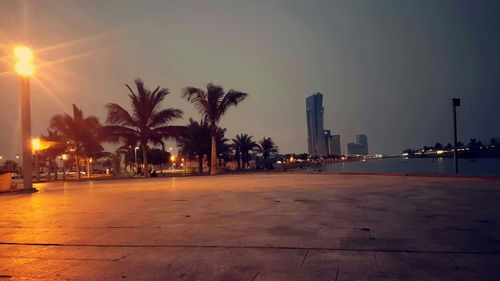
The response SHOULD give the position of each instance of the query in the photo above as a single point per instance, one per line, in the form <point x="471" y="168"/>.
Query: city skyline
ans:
<point x="279" y="52"/>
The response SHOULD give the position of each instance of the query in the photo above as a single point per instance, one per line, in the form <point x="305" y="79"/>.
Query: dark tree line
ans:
<point x="148" y="125"/>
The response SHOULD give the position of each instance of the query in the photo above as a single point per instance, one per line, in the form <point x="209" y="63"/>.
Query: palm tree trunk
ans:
<point x="77" y="166"/>
<point x="145" y="158"/>
<point x="49" y="170"/>
<point x="213" y="160"/>
<point x="88" y="168"/>
<point x="55" y="168"/>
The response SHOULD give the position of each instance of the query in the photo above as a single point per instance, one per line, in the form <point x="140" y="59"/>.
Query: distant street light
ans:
<point x="24" y="67"/>
<point x="89" y="167"/>
<point x="64" y="157"/>
<point x="135" y="154"/>
<point x="172" y="159"/>
<point x="456" y="103"/>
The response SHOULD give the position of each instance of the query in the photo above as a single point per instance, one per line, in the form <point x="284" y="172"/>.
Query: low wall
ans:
<point x="5" y="182"/>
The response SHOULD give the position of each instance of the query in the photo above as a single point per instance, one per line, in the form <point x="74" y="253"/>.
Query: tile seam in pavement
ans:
<point x="379" y="250"/>
<point x="67" y="259"/>
<point x="305" y="257"/>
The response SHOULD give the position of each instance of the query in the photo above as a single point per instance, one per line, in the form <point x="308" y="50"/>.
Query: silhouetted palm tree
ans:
<point x="82" y="135"/>
<point x="147" y="123"/>
<point x="242" y="145"/>
<point x="223" y="149"/>
<point x="57" y="146"/>
<point x="195" y="141"/>
<point x="213" y="104"/>
<point x="267" y="148"/>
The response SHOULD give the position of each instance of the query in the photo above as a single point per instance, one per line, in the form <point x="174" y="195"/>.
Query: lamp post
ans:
<point x="135" y="154"/>
<point x="24" y="67"/>
<point x="456" y="103"/>
<point x="64" y="157"/>
<point x="89" y="168"/>
<point x="172" y="159"/>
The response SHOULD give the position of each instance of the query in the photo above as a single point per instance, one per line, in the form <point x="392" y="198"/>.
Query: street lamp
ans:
<point x="64" y="157"/>
<point x="172" y="159"/>
<point x="135" y="154"/>
<point x="35" y="145"/>
<point x="89" y="167"/>
<point x="24" y="67"/>
<point x="456" y="103"/>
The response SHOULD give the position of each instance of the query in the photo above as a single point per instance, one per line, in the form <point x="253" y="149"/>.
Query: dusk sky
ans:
<point x="387" y="69"/>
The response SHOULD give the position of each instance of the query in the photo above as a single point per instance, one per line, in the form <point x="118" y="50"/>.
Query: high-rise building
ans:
<point x="332" y="143"/>
<point x="354" y="149"/>
<point x="328" y="141"/>
<point x="316" y="144"/>
<point x="335" y="147"/>
<point x="363" y="141"/>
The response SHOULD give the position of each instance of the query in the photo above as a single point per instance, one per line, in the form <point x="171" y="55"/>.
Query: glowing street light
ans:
<point x="89" y="167"/>
<point x="135" y="154"/>
<point x="24" y="61"/>
<point x="36" y="144"/>
<point x="24" y="67"/>
<point x="64" y="157"/>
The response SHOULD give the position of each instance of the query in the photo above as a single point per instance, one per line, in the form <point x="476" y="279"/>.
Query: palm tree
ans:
<point x="267" y="148"/>
<point x="195" y="141"/>
<point x="213" y="103"/>
<point x="242" y="145"/>
<point x="56" y="147"/>
<point x="81" y="134"/>
<point x="147" y="123"/>
<point x="223" y="149"/>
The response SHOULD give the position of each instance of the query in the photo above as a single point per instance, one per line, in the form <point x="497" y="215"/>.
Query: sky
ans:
<point x="387" y="69"/>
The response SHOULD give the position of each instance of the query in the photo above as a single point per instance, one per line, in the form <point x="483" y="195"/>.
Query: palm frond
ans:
<point x="165" y="116"/>
<point x="117" y="115"/>
<point x="232" y="98"/>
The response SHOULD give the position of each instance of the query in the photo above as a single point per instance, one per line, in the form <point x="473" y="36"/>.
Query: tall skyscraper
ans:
<point x="363" y="141"/>
<point x="315" y="136"/>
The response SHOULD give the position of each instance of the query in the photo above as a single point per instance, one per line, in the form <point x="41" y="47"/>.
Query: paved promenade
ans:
<point x="254" y="227"/>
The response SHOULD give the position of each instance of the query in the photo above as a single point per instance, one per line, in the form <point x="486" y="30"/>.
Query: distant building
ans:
<point x="332" y="143"/>
<point x="335" y="146"/>
<point x="328" y="141"/>
<point x="316" y="144"/>
<point x="360" y="147"/>
<point x="363" y="141"/>
<point x="354" y="149"/>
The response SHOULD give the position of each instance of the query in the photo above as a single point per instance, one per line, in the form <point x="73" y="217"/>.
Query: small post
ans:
<point x="456" y="103"/>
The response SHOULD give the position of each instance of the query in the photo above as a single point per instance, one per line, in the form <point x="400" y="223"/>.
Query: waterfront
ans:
<point x="472" y="166"/>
